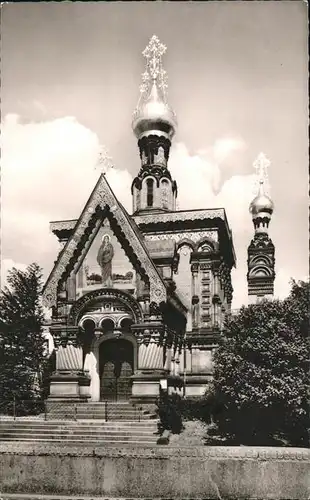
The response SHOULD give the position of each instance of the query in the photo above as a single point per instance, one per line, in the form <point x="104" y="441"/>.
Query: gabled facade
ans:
<point x="120" y="331"/>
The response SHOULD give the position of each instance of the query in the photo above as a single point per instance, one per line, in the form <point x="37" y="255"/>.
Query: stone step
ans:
<point x="70" y="432"/>
<point x="81" y="423"/>
<point x="75" y="432"/>
<point x="46" y="496"/>
<point x="89" y="416"/>
<point x="95" y="442"/>
<point x="78" y="437"/>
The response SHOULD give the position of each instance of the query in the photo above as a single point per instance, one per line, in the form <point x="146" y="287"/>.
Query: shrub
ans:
<point x="169" y="413"/>
<point x="261" y="372"/>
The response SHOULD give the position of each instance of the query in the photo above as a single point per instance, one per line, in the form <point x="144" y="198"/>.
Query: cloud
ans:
<point x="200" y="186"/>
<point x="7" y="265"/>
<point x="48" y="173"/>
<point x="223" y="148"/>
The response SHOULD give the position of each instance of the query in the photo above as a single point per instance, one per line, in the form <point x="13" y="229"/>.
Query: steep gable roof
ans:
<point x="103" y="203"/>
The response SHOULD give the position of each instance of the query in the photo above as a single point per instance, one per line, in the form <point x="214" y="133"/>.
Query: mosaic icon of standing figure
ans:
<point x="104" y="259"/>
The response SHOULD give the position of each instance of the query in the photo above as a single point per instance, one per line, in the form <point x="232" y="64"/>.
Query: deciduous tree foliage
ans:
<point x="21" y="339"/>
<point x="262" y="371"/>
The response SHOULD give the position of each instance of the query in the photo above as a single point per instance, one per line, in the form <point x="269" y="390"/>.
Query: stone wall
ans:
<point x="205" y="472"/>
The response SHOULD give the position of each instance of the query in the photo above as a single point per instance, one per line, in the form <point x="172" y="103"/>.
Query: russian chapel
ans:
<point x="138" y="300"/>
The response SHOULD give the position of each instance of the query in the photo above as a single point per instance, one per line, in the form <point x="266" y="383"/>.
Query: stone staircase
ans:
<point x="125" y="425"/>
<point x="97" y="411"/>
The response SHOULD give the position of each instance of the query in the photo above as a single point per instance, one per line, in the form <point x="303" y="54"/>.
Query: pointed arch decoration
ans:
<point x="103" y="203"/>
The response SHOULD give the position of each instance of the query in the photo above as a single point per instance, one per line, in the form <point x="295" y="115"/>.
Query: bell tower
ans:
<point x="261" y="261"/>
<point x="154" y="124"/>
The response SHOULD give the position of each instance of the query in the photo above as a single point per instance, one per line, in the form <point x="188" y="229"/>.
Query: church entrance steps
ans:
<point x="21" y="496"/>
<point x="89" y="423"/>
<point x="80" y="432"/>
<point x="98" y="411"/>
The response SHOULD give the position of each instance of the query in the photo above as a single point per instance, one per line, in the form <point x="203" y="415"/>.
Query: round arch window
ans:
<point x="107" y="325"/>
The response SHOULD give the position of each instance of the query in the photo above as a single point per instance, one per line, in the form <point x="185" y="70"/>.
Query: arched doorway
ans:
<point x="116" y="365"/>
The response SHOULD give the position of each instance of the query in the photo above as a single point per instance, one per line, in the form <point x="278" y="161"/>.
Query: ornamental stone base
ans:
<point x="196" y="385"/>
<point x="146" y="386"/>
<point x="69" y="386"/>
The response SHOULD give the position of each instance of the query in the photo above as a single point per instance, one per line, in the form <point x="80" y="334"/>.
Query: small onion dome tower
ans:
<point x="154" y="124"/>
<point x="261" y="250"/>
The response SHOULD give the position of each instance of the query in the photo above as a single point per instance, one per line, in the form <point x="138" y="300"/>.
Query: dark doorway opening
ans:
<point x="115" y="368"/>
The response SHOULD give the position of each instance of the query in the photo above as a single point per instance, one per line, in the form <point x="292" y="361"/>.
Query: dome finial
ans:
<point x="262" y="205"/>
<point x="154" y="71"/>
<point x="152" y="108"/>
<point x="261" y="165"/>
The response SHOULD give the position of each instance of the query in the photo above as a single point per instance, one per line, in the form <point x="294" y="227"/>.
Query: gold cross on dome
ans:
<point x="104" y="162"/>
<point x="261" y="165"/>
<point x="153" y="53"/>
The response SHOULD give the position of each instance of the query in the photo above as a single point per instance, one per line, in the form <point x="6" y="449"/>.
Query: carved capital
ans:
<point x="195" y="299"/>
<point x="216" y="299"/>
<point x="194" y="267"/>
<point x="205" y="266"/>
<point x="64" y="335"/>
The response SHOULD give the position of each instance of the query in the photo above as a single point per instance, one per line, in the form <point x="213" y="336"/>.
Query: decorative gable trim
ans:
<point x="102" y="202"/>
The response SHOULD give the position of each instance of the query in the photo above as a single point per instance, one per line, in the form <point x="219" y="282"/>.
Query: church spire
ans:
<point x="261" y="207"/>
<point x="261" y="260"/>
<point x="154" y="124"/>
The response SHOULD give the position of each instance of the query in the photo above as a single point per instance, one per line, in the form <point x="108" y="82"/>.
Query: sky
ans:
<point x="237" y="75"/>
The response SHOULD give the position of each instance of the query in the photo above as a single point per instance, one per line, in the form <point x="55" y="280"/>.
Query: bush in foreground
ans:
<point x="261" y="372"/>
<point x="169" y="413"/>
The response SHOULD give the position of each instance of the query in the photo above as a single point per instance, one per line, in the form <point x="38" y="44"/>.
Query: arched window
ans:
<point x="149" y="192"/>
<point x="107" y="325"/>
<point x="126" y="324"/>
<point x="89" y="325"/>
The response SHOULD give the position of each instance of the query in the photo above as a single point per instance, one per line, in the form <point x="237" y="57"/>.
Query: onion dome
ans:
<point x="153" y="115"/>
<point x="261" y="203"/>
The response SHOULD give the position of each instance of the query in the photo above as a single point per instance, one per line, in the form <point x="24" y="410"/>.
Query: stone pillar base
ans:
<point x="196" y="384"/>
<point x="146" y="386"/>
<point x="69" y="386"/>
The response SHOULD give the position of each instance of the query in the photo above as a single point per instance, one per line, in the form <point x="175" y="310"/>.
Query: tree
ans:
<point x="261" y="372"/>
<point x="21" y="336"/>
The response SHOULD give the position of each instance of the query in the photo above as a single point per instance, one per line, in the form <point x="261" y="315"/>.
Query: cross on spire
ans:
<point x="104" y="162"/>
<point x="261" y="165"/>
<point x="154" y="71"/>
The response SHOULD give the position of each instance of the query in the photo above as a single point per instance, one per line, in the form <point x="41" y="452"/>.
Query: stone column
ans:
<point x="195" y="296"/>
<point x="67" y="381"/>
<point x="172" y="371"/>
<point x="168" y="359"/>
<point x="69" y="358"/>
<point x="177" y="363"/>
<point x="182" y="361"/>
<point x="150" y="356"/>
<point x="216" y="297"/>
<point x="146" y="381"/>
<point x="188" y="355"/>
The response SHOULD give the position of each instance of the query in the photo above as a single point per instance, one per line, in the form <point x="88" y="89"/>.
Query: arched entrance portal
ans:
<point x="116" y="365"/>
